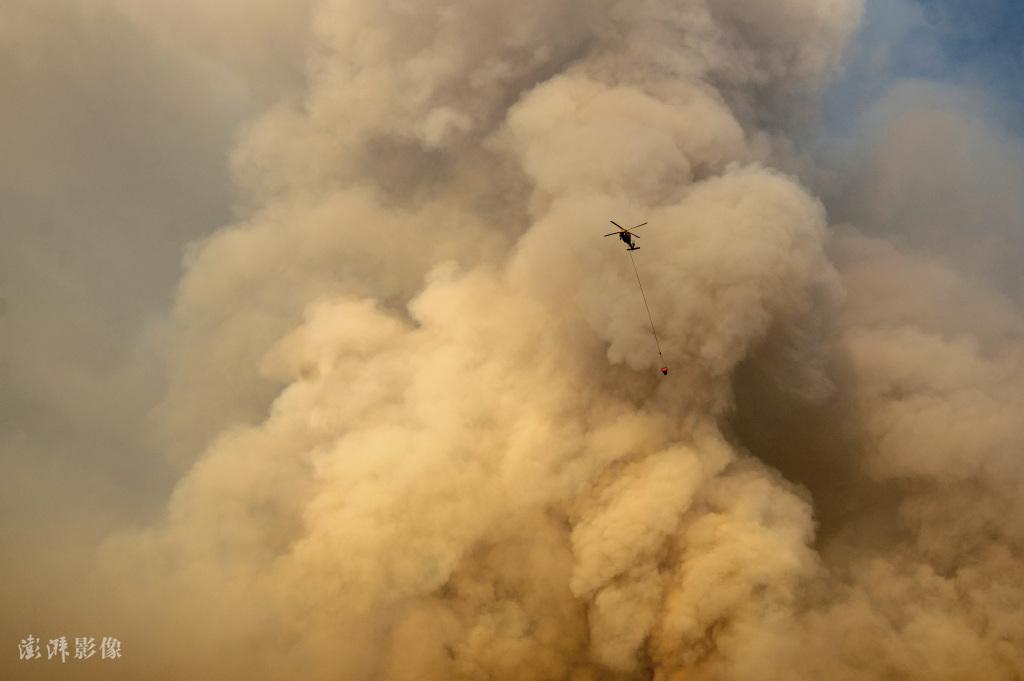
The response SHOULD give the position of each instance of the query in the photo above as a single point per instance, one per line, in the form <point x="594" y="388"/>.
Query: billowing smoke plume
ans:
<point x="418" y="396"/>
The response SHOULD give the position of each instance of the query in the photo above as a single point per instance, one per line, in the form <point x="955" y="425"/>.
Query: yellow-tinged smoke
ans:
<point x="420" y="403"/>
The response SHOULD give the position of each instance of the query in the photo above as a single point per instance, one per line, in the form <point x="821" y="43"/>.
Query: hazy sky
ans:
<point x="268" y="268"/>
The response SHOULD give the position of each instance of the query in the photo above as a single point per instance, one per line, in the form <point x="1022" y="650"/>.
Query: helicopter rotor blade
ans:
<point x="617" y="225"/>
<point x="638" y="226"/>
<point x="614" y="234"/>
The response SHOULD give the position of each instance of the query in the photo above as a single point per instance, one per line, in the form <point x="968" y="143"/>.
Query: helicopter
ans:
<point x="627" y="238"/>
<point x="626" y="235"/>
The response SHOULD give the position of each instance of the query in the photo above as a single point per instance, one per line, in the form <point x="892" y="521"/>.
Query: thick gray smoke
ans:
<point x="418" y="399"/>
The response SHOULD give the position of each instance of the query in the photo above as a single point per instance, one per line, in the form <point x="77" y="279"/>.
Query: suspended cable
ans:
<point x="654" y="332"/>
